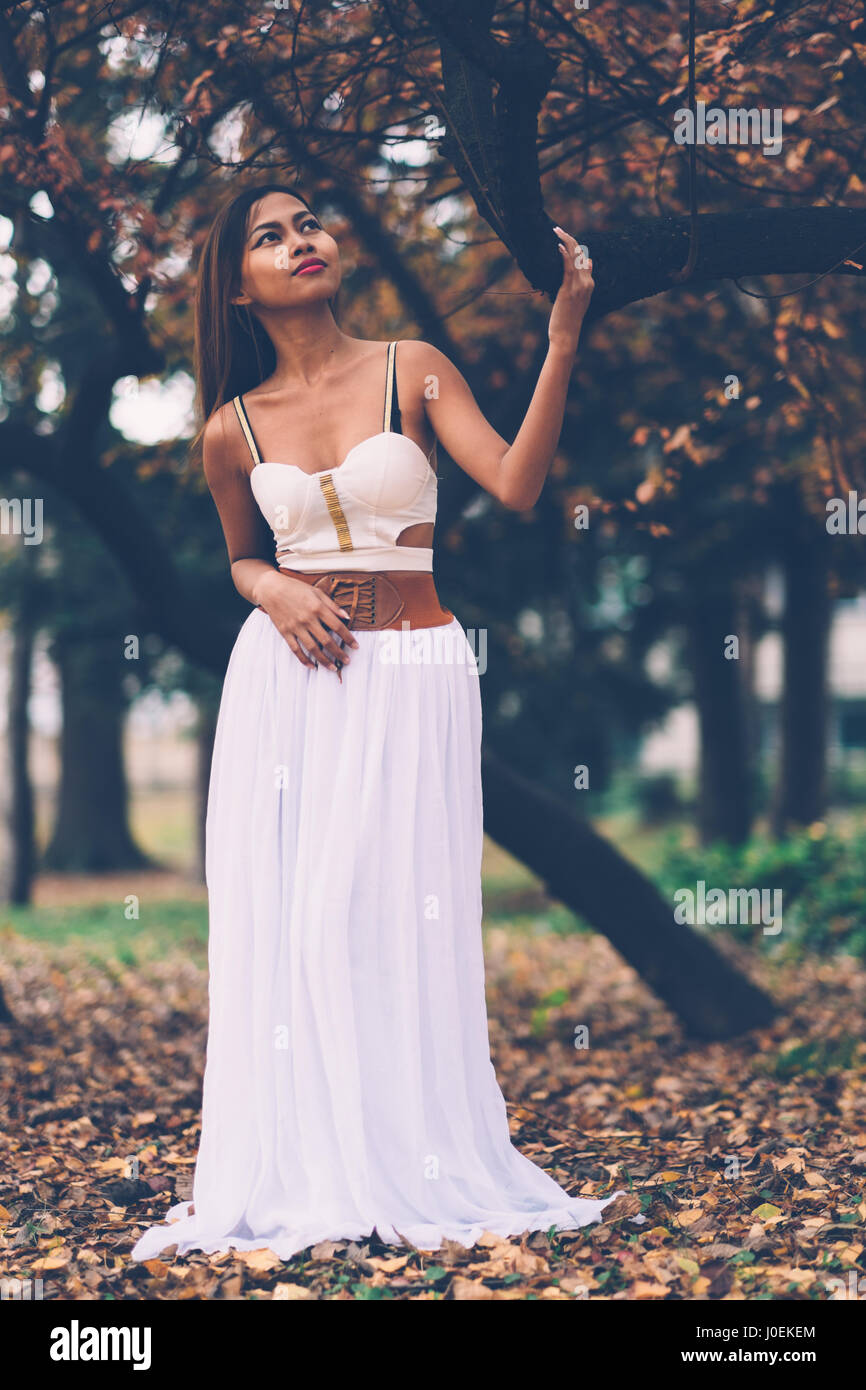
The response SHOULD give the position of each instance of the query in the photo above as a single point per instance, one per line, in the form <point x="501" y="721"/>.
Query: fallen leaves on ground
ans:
<point x="744" y="1162"/>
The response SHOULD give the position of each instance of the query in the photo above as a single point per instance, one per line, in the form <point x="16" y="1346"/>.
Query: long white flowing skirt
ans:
<point x="348" y="1083"/>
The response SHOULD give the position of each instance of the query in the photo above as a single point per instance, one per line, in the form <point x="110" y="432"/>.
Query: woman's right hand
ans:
<point x="303" y="615"/>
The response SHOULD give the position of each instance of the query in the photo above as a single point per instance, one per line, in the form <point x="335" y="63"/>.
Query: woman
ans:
<point x="348" y="1083"/>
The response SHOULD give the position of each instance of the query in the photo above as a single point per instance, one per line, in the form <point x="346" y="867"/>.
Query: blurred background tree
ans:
<point x="709" y="423"/>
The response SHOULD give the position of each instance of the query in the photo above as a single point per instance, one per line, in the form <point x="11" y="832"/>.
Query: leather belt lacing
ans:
<point x="375" y="600"/>
<point x="359" y="597"/>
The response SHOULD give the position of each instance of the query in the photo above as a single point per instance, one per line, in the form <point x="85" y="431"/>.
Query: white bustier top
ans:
<point x="349" y="517"/>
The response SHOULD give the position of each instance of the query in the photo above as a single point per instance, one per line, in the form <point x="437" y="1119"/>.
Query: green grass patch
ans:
<point x="817" y="1056"/>
<point x="104" y="932"/>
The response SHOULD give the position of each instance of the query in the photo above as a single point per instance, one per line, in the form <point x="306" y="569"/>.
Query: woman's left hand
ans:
<point x="573" y="296"/>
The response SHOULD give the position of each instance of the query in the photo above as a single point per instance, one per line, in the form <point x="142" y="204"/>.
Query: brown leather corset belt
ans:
<point x="375" y="600"/>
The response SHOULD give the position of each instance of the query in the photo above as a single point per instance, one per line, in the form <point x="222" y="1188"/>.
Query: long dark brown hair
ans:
<point x="233" y="352"/>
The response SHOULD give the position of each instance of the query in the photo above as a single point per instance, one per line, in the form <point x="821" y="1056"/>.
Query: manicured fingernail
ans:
<point x="343" y="613"/>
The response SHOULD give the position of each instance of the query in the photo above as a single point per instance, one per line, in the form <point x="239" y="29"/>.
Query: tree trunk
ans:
<point x="205" y="731"/>
<point x="752" y="625"/>
<point x="584" y="872"/>
<point x="724" y="794"/>
<point x="91" y="832"/>
<point x="21" y="832"/>
<point x="7" y="853"/>
<point x="17" y="841"/>
<point x="801" y="790"/>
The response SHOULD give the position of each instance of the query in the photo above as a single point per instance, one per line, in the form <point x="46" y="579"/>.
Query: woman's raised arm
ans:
<point x="512" y="473"/>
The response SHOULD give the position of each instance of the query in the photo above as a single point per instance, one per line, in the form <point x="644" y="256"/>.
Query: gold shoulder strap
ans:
<point x="389" y="385"/>
<point x="245" y="426"/>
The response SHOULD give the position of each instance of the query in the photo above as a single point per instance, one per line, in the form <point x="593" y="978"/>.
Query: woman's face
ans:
<point x="282" y="235"/>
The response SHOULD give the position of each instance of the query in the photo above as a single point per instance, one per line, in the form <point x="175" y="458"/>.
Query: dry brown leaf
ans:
<point x="644" y="1289"/>
<point x="464" y="1290"/>
<point x="325" y="1250"/>
<point x="690" y="1215"/>
<point x="259" y="1261"/>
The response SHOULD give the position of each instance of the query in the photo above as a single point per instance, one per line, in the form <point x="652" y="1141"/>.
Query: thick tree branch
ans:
<point x="582" y="870"/>
<point x="492" y="94"/>
<point x="183" y="618"/>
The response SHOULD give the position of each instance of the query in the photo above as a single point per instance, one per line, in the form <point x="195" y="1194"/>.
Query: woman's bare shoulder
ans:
<point x="423" y="363"/>
<point x="418" y="351"/>
<point x="222" y="442"/>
